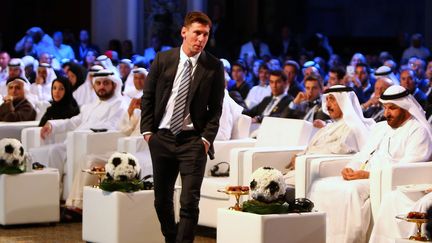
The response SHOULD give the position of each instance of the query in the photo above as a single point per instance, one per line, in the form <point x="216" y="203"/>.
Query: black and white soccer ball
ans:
<point x="12" y="154"/>
<point x="122" y="167"/>
<point x="267" y="185"/>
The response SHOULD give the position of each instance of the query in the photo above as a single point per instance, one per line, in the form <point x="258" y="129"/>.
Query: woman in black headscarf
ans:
<point x="76" y="75"/>
<point x="63" y="105"/>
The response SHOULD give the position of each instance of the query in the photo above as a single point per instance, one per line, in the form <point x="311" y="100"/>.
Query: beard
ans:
<point x="105" y="95"/>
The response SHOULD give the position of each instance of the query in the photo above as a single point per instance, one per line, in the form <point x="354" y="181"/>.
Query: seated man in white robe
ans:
<point x="404" y="138"/>
<point x="85" y="93"/>
<point x="346" y="135"/>
<point x="41" y="88"/>
<point x="104" y="113"/>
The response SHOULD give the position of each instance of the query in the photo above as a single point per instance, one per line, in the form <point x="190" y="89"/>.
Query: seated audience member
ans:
<point x="258" y="92"/>
<point x="106" y="62"/>
<point x="105" y="112"/>
<point x="30" y="67"/>
<point x="307" y="105"/>
<point x="272" y="105"/>
<point x="357" y="58"/>
<point x="4" y="61"/>
<point x="15" y="69"/>
<point x="386" y="227"/>
<point x="63" y="105"/>
<point x="155" y="47"/>
<point x="408" y="80"/>
<point x="62" y="51"/>
<point x="15" y="105"/>
<point x="125" y="69"/>
<point x="373" y="107"/>
<point x="76" y="75"/>
<point x="84" y="46"/>
<point x="240" y="90"/>
<point x="335" y="76"/>
<point x="41" y="88"/>
<point x="404" y="138"/>
<point x="345" y="135"/>
<point x="361" y="82"/>
<point x="386" y="72"/>
<point x="85" y="93"/>
<point x="416" y="49"/>
<point x="136" y="91"/>
<point x="291" y="70"/>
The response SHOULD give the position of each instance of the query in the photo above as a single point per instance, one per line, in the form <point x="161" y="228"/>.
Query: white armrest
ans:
<point x="30" y="138"/>
<point x="223" y="150"/>
<point x="393" y="175"/>
<point x="132" y="144"/>
<point x="406" y="174"/>
<point x="312" y="167"/>
<point x="276" y="157"/>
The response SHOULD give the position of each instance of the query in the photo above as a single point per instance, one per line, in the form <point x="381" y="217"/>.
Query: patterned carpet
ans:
<point x="68" y="233"/>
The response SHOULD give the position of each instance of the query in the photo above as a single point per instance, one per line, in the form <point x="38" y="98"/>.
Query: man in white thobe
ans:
<point x="41" y="88"/>
<point x="104" y="113"/>
<point x="260" y="91"/>
<point x="404" y="138"/>
<point x="347" y="134"/>
<point x="85" y="93"/>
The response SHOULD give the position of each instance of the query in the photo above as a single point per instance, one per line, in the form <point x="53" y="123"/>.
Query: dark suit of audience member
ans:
<point x="61" y="107"/>
<point x="272" y="105"/>
<point x="309" y="110"/>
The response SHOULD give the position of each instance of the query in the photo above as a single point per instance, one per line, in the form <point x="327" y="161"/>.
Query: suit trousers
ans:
<point x="171" y="155"/>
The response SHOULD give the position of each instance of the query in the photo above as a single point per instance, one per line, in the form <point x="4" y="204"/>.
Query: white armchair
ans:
<point x="14" y="129"/>
<point x="312" y="167"/>
<point x="394" y="175"/>
<point x="83" y="143"/>
<point x="278" y="139"/>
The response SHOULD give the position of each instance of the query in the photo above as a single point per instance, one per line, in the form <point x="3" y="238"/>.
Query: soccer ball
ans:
<point x="122" y="167"/>
<point x="267" y="185"/>
<point x="12" y="154"/>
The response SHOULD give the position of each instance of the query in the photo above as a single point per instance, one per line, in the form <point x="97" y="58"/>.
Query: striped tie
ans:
<point x="180" y="101"/>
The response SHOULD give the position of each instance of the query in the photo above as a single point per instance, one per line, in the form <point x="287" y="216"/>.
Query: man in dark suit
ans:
<point x="291" y="70"/>
<point x="307" y="105"/>
<point x="181" y="106"/>
<point x="272" y="105"/>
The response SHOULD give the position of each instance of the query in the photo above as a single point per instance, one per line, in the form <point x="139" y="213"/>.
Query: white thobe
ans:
<point x="41" y="91"/>
<point x="335" y="138"/>
<point x="231" y="112"/>
<point x="257" y="94"/>
<point x="85" y="93"/>
<point x="387" y="228"/>
<point x="346" y="203"/>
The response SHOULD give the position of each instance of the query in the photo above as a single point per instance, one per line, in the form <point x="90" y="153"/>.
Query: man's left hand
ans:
<point x="356" y="175"/>
<point x="206" y="147"/>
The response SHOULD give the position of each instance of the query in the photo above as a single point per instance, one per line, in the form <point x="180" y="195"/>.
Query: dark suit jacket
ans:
<point x="205" y="93"/>
<point x="276" y="112"/>
<point x="300" y="114"/>
<point x="295" y="88"/>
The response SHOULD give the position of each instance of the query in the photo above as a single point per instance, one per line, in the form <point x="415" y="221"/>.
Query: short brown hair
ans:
<point x="196" y="16"/>
<point x="312" y="78"/>
<point x="280" y="74"/>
